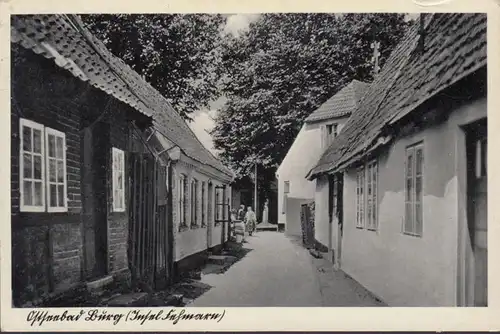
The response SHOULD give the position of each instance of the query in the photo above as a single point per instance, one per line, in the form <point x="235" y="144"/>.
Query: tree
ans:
<point x="177" y="54"/>
<point x="283" y="68"/>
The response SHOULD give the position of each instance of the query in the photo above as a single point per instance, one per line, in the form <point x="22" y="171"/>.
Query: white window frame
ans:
<point x="182" y="200"/>
<point x="413" y="201"/>
<point x="55" y="133"/>
<point x="360" y="197"/>
<point x="33" y="125"/>
<point x="366" y="203"/>
<point x="117" y="152"/>
<point x="371" y="202"/>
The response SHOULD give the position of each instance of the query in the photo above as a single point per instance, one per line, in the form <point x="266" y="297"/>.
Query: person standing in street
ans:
<point x="250" y="220"/>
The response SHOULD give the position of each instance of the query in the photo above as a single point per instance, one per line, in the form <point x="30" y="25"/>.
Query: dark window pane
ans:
<point x="27" y="166"/>
<point x="484" y="158"/>
<point x="60" y="194"/>
<point x="28" y="193"/>
<point x="38" y="193"/>
<point x="418" y="218"/>
<point x="408" y="218"/>
<point x="52" y="146"/>
<point x="37" y="141"/>
<point x="26" y="138"/>
<point x="419" y="161"/>
<point x="418" y="188"/>
<point x="59" y="147"/>
<point x="60" y="171"/>
<point x="409" y="163"/>
<point x="37" y="162"/>
<point x="52" y="170"/>
<point x="53" y="195"/>
<point x="409" y="190"/>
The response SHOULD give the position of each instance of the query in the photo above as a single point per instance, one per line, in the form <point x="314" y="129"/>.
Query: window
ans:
<point x="182" y="200"/>
<point x="118" y="174"/>
<point x="413" y="223"/>
<point x="360" y="197"/>
<point x="371" y="196"/>
<point x="366" y="196"/>
<point x="203" y="205"/>
<point x="194" y="202"/>
<point x="42" y="168"/>
<point x="286" y="188"/>
<point x="31" y="165"/>
<point x="331" y="132"/>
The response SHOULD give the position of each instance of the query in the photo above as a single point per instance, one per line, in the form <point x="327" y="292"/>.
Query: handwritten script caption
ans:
<point x="141" y="316"/>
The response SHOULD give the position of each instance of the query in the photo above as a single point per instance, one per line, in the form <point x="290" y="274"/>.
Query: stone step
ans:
<point x="217" y="259"/>
<point x="129" y="300"/>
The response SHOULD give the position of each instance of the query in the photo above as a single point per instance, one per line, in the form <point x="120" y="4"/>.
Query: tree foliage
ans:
<point x="177" y="54"/>
<point x="283" y="68"/>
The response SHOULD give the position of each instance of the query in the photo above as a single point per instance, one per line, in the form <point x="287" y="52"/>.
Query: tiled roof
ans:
<point x="65" y="39"/>
<point x="341" y="104"/>
<point x="454" y="47"/>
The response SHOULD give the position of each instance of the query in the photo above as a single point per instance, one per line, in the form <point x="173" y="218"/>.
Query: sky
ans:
<point x="203" y="119"/>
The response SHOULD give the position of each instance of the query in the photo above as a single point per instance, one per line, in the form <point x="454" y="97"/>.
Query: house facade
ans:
<point x="411" y="169"/>
<point x="95" y="168"/>
<point x="318" y="131"/>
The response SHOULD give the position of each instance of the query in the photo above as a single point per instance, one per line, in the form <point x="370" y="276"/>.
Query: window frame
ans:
<point x="114" y="180"/>
<point x="182" y="200"/>
<point x="56" y="133"/>
<point x="372" y="220"/>
<point x="286" y="187"/>
<point x="416" y="231"/>
<point x="360" y="203"/>
<point x="194" y="203"/>
<point x="32" y="125"/>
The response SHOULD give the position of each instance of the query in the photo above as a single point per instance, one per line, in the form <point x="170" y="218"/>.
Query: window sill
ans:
<point x="360" y="227"/>
<point x="412" y="235"/>
<point x="183" y="228"/>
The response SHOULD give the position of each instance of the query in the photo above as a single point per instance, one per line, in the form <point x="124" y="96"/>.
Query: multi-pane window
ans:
<point x="366" y="196"/>
<point x="371" y="196"/>
<point x="42" y="173"/>
<point x="360" y="197"/>
<point x="413" y="223"/>
<point x="118" y="174"/>
<point x="194" y="202"/>
<point x="331" y="132"/>
<point x="203" y="205"/>
<point x="182" y="200"/>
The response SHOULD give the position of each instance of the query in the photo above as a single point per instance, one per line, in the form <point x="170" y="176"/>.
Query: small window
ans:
<point x="413" y="223"/>
<point x="32" y="167"/>
<point x="118" y="171"/>
<point x="286" y="188"/>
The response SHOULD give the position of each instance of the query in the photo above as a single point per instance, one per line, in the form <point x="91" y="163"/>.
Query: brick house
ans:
<point x="92" y="196"/>
<point x="409" y="170"/>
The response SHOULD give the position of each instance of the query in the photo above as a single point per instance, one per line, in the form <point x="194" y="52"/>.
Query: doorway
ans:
<point x="96" y="150"/>
<point x="335" y="206"/>
<point x="476" y="257"/>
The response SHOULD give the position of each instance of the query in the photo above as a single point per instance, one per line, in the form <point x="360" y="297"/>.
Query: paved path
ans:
<point x="277" y="272"/>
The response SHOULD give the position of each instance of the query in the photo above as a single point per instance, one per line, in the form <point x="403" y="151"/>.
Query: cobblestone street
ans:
<point x="278" y="271"/>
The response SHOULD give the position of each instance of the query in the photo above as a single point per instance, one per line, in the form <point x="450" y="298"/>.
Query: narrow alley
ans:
<point x="278" y="271"/>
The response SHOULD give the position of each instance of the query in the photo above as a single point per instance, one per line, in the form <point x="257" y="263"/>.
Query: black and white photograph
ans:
<point x="248" y="160"/>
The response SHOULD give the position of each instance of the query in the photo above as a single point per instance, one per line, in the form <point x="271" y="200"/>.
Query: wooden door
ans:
<point x="477" y="192"/>
<point x="95" y="166"/>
